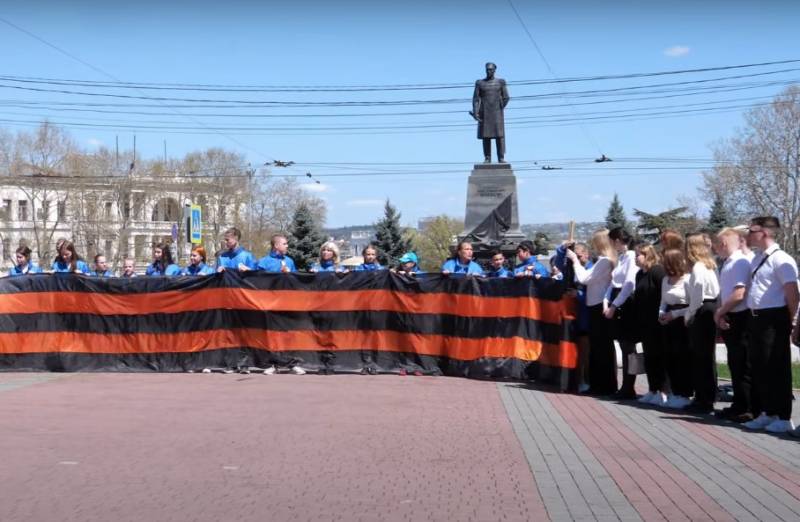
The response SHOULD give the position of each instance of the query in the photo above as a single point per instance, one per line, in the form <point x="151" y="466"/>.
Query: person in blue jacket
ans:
<point x="277" y="260"/>
<point x="497" y="265"/>
<point x="68" y="261"/>
<point x="24" y="264"/>
<point x="234" y="257"/>
<point x="528" y="265"/>
<point x="101" y="267"/>
<point x="409" y="264"/>
<point x="162" y="264"/>
<point x="370" y="264"/>
<point x="197" y="263"/>
<point x="328" y="259"/>
<point x="461" y="262"/>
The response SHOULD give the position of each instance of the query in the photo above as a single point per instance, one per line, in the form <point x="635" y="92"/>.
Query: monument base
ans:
<point x="492" y="217"/>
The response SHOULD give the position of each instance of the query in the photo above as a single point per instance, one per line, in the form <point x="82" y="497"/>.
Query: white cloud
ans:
<point x="365" y="203"/>
<point x="676" y="51"/>
<point x="94" y="142"/>
<point x="597" y="197"/>
<point x="315" y="187"/>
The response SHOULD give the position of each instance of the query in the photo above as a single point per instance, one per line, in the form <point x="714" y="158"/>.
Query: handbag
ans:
<point x="636" y="363"/>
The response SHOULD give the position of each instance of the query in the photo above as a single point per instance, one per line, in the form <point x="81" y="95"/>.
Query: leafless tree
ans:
<point x="757" y="172"/>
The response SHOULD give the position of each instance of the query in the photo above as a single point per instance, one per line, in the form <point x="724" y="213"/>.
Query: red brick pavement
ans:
<point x="229" y="447"/>
<point x="655" y="487"/>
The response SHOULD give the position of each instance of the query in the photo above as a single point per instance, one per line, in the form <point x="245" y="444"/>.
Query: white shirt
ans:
<point x="703" y="285"/>
<point x="623" y="277"/>
<point x="674" y="294"/>
<point x="596" y="279"/>
<point x="734" y="273"/>
<point x="766" y="287"/>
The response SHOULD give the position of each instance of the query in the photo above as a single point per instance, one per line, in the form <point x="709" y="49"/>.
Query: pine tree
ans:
<point x="389" y="236"/>
<point x="616" y="215"/>
<point x="305" y="238"/>
<point x="718" y="218"/>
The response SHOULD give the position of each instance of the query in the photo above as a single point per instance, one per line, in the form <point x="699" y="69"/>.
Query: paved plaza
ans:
<point x="102" y="447"/>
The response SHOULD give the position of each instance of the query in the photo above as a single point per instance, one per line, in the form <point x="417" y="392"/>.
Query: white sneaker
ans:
<point x="227" y="370"/>
<point x="270" y="371"/>
<point x="206" y="370"/>
<point x="647" y="398"/>
<point x="297" y="370"/>
<point x="659" y="399"/>
<point x="677" y="402"/>
<point x="760" y="422"/>
<point x="780" y="426"/>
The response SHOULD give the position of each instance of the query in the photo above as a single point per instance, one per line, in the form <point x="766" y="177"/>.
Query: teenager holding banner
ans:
<point x="602" y="357"/>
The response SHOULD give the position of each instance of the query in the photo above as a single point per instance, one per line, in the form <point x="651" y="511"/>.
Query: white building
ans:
<point x="118" y="216"/>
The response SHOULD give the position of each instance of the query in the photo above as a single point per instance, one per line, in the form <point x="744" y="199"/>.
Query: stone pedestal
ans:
<point x="492" y="217"/>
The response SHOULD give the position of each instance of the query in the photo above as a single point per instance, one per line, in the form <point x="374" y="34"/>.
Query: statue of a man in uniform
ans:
<point x="488" y="102"/>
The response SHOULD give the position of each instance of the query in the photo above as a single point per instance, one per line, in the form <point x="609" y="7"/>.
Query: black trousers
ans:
<point x="703" y="344"/>
<point x="769" y="353"/>
<point x="602" y="356"/>
<point x="678" y="357"/>
<point x="735" y="339"/>
<point x="628" y="381"/>
<point x="654" y="356"/>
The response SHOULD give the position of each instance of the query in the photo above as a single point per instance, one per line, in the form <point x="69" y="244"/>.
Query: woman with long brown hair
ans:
<point x="672" y="310"/>
<point x="68" y="260"/>
<point x="647" y="299"/>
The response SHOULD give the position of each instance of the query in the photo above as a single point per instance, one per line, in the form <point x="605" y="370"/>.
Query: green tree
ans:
<point x="616" y="215"/>
<point x="541" y="244"/>
<point x="718" y="217"/>
<point x="305" y="237"/>
<point x="389" y="236"/>
<point x="434" y="242"/>
<point x="651" y="226"/>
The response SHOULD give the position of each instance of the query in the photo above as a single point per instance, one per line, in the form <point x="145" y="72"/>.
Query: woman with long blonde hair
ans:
<point x="602" y="355"/>
<point x="703" y="294"/>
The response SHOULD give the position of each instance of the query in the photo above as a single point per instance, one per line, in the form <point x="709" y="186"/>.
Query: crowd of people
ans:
<point x="673" y="298"/>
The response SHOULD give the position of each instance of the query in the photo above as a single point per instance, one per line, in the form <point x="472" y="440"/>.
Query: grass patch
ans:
<point x="723" y="372"/>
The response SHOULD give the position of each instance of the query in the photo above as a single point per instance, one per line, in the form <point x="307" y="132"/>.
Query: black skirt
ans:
<point x="625" y="325"/>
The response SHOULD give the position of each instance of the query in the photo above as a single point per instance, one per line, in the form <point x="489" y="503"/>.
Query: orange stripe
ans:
<point x="175" y="301"/>
<point x="186" y="342"/>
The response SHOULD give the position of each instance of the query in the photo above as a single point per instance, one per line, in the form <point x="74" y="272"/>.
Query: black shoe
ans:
<point x="625" y="395"/>
<point x="697" y="407"/>
<point x="322" y="371"/>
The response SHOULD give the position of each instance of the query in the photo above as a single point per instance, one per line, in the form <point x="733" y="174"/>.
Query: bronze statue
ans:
<point x="488" y="102"/>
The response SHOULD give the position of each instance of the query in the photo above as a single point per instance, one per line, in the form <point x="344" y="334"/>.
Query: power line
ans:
<point x="360" y="88"/>
<point x="115" y="79"/>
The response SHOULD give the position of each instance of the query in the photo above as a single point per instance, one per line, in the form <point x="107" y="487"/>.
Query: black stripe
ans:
<point x="382" y="280"/>
<point x="344" y="361"/>
<point x="437" y="324"/>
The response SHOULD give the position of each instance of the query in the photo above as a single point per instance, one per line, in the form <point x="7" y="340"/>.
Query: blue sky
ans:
<point x="313" y="43"/>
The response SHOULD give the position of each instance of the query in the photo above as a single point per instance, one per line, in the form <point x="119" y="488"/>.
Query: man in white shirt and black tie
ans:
<point x="772" y="299"/>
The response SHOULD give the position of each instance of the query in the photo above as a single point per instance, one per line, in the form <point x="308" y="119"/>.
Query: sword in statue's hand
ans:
<point x="473" y="115"/>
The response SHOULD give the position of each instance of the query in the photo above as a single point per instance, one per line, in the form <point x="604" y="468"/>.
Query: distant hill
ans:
<point x="558" y="232"/>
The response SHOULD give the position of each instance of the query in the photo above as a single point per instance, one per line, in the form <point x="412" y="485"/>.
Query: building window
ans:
<point x="22" y="210"/>
<point x="6" y="248"/>
<point x="108" y="246"/>
<point x="139" y="247"/>
<point x="107" y="210"/>
<point x="6" y="209"/>
<point x="62" y="211"/>
<point x="138" y="205"/>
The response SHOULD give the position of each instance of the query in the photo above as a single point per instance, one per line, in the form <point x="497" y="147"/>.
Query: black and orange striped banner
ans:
<point x="343" y="322"/>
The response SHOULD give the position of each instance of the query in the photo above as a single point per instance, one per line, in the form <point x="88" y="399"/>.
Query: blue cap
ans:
<point x="409" y="257"/>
